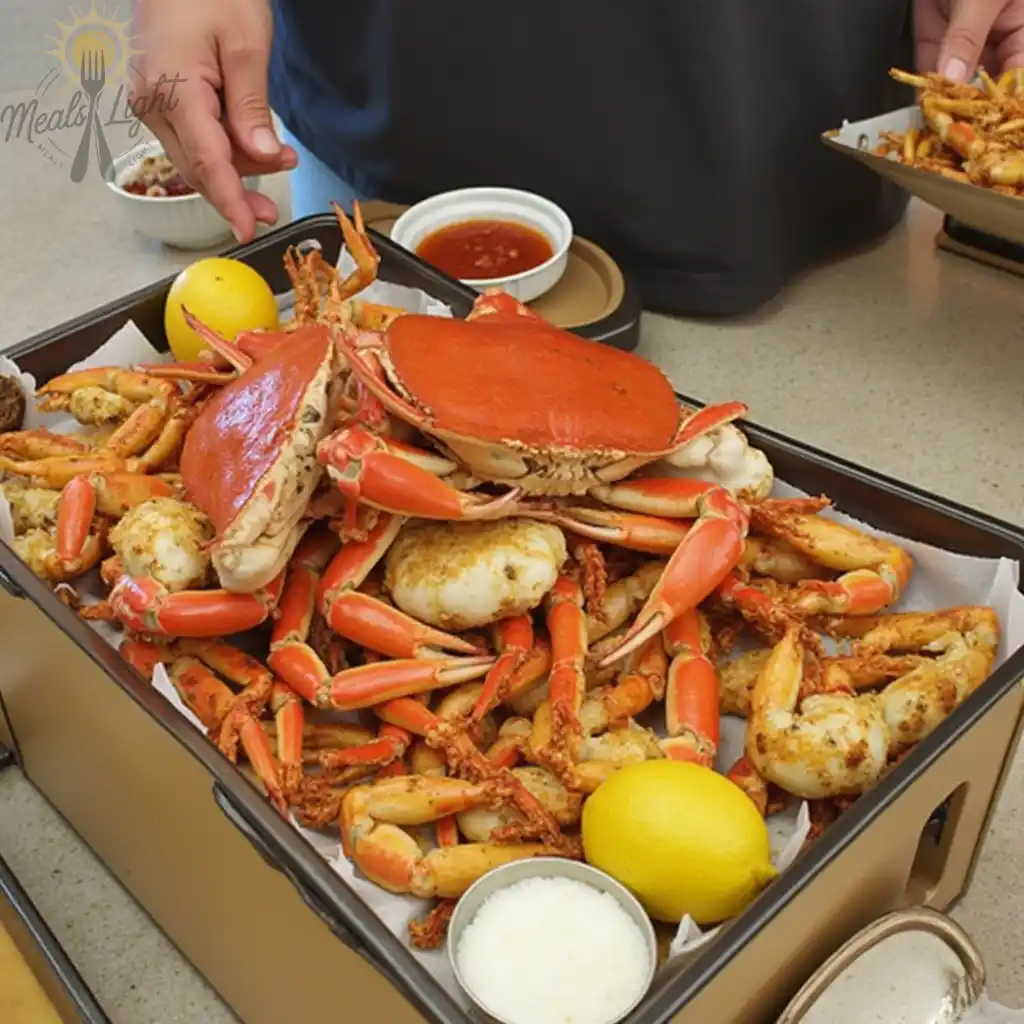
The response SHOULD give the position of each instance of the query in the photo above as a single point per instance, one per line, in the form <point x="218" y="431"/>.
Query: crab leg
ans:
<point x="642" y="683"/>
<point x="875" y="571"/>
<point x="366" y="468"/>
<point x="691" y="696"/>
<point x="243" y="671"/>
<point x="59" y="470"/>
<point x="110" y="494"/>
<point x="291" y="657"/>
<point x="650" y="534"/>
<point x="390" y="857"/>
<point x="56" y="394"/>
<point x="146" y="606"/>
<point x="289" y="729"/>
<point x="360" y="248"/>
<point x="367" y="685"/>
<point x="745" y="775"/>
<point x="211" y="702"/>
<point x="514" y="641"/>
<point x="709" y="553"/>
<point x="143" y="656"/>
<point x="41" y="444"/>
<point x="367" y="621"/>
<point x="567" y="626"/>
<point x="465" y="759"/>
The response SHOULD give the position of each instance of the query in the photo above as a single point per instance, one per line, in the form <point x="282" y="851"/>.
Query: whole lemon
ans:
<point x="225" y="294"/>
<point x="682" y="838"/>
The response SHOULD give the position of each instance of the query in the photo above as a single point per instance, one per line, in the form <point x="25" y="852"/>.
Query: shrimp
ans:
<point x="965" y="640"/>
<point x="827" y="744"/>
<point x="841" y="741"/>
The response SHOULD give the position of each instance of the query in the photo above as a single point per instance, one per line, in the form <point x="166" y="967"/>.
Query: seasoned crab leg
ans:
<point x="710" y="551"/>
<point x="146" y="606"/>
<point x="691" y="695"/>
<point x="514" y="640"/>
<point x="567" y="684"/>
<point x="652" y="535"/>
<point x="367" y="621"/>
<point x="642" y="682"/>
<point x="875" y="571"/>
<point x="825" y="744"/>
<point x="41" y="444"/>
<point x="211" y="701"/>
<point x="57" y="471"/>
<point x="109" y="494"/>
<point x="371" y="817"/>
<point x="368" y="685"/>
<point x="59" y="394"/>
<point x="465" y="760"/>
<point x="240" y="669"/>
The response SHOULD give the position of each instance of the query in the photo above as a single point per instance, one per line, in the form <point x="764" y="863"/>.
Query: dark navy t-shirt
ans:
<point x="681" y="135"/>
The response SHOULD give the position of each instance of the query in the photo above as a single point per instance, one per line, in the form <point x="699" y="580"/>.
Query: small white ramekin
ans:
<point x="544" y="867"/>
<point x="184" y="222"/>
<point x="487" y="203"/>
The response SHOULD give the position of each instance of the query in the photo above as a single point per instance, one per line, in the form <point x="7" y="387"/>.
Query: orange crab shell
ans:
<point x="504" y="376"/>
<point x="240" y="434"/>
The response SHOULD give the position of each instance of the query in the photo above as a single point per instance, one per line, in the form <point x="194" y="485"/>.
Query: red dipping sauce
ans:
<point x="479" y="250"/>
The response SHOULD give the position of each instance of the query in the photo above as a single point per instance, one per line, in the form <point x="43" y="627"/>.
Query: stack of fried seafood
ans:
<point x="971" y="134"/>
<point x="475" y="559"/>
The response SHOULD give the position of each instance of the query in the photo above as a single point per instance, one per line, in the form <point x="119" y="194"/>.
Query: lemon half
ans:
<point x="682" y="838"/>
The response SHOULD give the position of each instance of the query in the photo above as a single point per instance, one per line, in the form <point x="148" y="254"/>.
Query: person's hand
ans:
<point x="955" y="36"/>
<point x="201" y="87"/>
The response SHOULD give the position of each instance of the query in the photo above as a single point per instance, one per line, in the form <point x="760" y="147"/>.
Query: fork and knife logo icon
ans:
<point x="93" y="74"/>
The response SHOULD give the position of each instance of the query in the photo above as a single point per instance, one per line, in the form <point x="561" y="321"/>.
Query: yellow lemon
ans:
<point x="225" y="294"/>
<point x="682" y="838"/>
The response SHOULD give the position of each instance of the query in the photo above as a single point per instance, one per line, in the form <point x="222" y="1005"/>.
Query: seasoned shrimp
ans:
<point x="825" y="745"/>
<point x="965" y="640"/>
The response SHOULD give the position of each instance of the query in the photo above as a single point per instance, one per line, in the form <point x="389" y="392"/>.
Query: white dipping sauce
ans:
<point x="553" y="951"/>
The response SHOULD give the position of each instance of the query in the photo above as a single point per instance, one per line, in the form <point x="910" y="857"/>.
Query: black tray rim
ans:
<point x="85" y="1003"/>
<point x="346" y="913"/>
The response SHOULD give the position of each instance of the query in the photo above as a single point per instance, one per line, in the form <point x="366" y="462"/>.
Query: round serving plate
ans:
<point x="593" y="299"/>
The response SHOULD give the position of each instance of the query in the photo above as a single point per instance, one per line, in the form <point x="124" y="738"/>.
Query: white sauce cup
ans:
<point x="488" y="203"/>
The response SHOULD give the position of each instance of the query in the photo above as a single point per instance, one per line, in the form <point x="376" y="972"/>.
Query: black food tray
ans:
<point x="885" y="503"/>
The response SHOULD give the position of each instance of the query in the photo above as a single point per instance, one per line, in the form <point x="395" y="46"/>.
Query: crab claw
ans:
<point x="145" y="605"/>
<point x="710" y="551"/>
<point x="367" y="621"/>
<point x="366" y="469"/>
<point x="367" y="685"/>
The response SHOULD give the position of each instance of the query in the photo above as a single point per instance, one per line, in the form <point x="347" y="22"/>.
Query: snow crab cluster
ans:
<point x="484" y="564"/>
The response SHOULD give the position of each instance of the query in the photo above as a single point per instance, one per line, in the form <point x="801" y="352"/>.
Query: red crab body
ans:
<point x="249" y="460"/>
<point x="511" y="399"/>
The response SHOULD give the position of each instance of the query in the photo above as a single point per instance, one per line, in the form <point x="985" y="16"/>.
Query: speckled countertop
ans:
<point x="897" y="342"/>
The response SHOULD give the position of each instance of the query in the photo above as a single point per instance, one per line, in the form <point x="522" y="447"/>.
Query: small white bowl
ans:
<point x="184" y="222"/>
<point x="544" y="867"/>
<point x="494" y="204"/>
